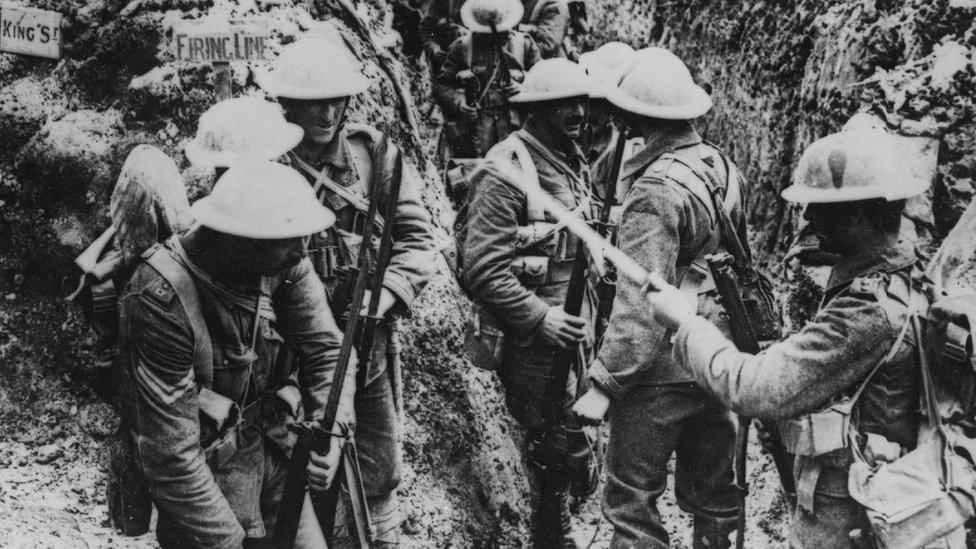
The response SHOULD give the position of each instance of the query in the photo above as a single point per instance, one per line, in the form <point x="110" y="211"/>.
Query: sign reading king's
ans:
<point x="209" y="42"/>
<point x="30" y="31"/>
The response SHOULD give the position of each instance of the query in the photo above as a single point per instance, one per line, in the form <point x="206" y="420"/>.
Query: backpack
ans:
<point x="148" y="205"/>
<point x="925" y="497"/>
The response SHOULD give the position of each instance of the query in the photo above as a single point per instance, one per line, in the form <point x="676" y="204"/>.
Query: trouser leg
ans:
<point x="644" y="431"/>
<point x="525" y="375"/>
<point x="703" y="473"/>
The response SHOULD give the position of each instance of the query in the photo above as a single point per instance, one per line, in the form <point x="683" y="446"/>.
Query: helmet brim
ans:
<point x="890" y="192"/>
<point x="299" y="224"/>
<point x="507" y="24"/>
<point x="278" y="87"/>
<point x="697" y="105"/>
<point x="275" y="146"/>
<point x="549" y="96"/>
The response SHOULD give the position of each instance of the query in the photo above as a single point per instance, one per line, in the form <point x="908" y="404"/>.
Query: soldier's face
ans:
<point x="319" y="118"/>
<point x="566" y="116"/>
<point x="272" y="257"/>
<point x="836" y="225"/>
<point x="598" y="114"/>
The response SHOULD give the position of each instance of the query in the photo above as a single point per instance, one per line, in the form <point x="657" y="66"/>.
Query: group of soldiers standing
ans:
<point x="611" y="138"/>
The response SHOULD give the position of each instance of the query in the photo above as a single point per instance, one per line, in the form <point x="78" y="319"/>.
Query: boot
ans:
<point x="552" y="526"/>
<point x="712" y="534"/>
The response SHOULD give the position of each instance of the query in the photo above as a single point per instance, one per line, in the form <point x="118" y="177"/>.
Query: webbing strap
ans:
<point x="322" y="180"/>
<point x="176" y="274"/>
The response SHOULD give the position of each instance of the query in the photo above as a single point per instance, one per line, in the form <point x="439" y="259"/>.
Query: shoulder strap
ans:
<point x="161" y="259"/>
<point x="525" y="163"/>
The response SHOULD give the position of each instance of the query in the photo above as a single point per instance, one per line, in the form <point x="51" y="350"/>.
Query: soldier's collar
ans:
<point x="336" y="153"/>
<point x="884" y="260"/>
<point x="671" y="138"/>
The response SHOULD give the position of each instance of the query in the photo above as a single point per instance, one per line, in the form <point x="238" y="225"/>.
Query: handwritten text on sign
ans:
<point x="30" y="31"/>
<point x="205" y="42"/>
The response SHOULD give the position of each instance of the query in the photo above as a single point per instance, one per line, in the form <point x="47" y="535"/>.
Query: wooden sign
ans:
<point x="210" y="42"/>
<point x="30" y="31"/>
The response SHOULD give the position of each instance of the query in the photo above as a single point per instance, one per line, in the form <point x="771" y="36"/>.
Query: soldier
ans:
<point x="547" y="22"/>
<point x="483" y="70"/>
<point x="667" y="224"/>
<point x="855" y="351"/>
<point x="440" y="27"/>
<point x="517" y="265"/>
<point x="314" y="81"/>
<point x="241" y="129"/>
<point x="205" y="387"/>
<point x="605" y="65"/>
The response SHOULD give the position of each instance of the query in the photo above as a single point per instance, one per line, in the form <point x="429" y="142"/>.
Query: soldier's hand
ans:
<point x="562" y="329"/>
<point x="322" y="469"/>
<point x="387" y="300"/>
<point x="668" y="305"/>
<point x="467" y="111"/>
<point x="592" y="406"/>
<point x="512" y="88"/>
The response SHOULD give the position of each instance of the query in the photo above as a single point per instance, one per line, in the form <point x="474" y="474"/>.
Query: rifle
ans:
<point x="565" y="359"/>
<point x="744" y="335"/>
<point x="316" y="435"/>
<point x="607" y="288"/>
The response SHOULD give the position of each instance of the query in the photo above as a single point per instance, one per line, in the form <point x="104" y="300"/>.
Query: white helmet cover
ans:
<point x="263" y="200"/>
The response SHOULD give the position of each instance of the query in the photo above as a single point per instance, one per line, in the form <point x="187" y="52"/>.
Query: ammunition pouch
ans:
<point x="538" y="270"/>
<point x="533" y="233"/>
<point x="325" y="260"/>
<point x="127" y="490"/>
<point x="818" y="433"/>
<point x="220" y="419"/>
<point x="484" y="340"/>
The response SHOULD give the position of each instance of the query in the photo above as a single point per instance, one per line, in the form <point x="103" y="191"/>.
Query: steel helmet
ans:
<point x="478" y="15"/>
<point x="314" y="68"/>
<point x="616" y="56"/>
<point x="553" y="79"/>
<point x="241" y="129"/>
<point x="855" y="165"/>
<point x="263" y="200"/>
<point x="658" y="85"/>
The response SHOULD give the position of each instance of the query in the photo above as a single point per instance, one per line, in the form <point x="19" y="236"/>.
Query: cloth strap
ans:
<point x="161" y="259"/>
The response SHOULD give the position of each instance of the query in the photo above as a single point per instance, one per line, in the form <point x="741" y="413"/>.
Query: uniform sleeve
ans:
<point x="166" y="426"/>
<point x="653" y="219"/>
<point x="830" y="355"/>
<point x="307" y="324"/>
<point x="449" y="96"/>
<point x="489" y="249"/>
<point x="413" y="258"/>
<point x="549" y="28"/>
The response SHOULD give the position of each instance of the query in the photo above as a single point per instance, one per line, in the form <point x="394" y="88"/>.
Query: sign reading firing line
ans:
<point x="206" y="41"/>
<point x="30" y="31"/>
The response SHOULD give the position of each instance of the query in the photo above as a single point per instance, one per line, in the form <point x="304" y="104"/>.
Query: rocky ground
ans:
<point x="782" y="74"/>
